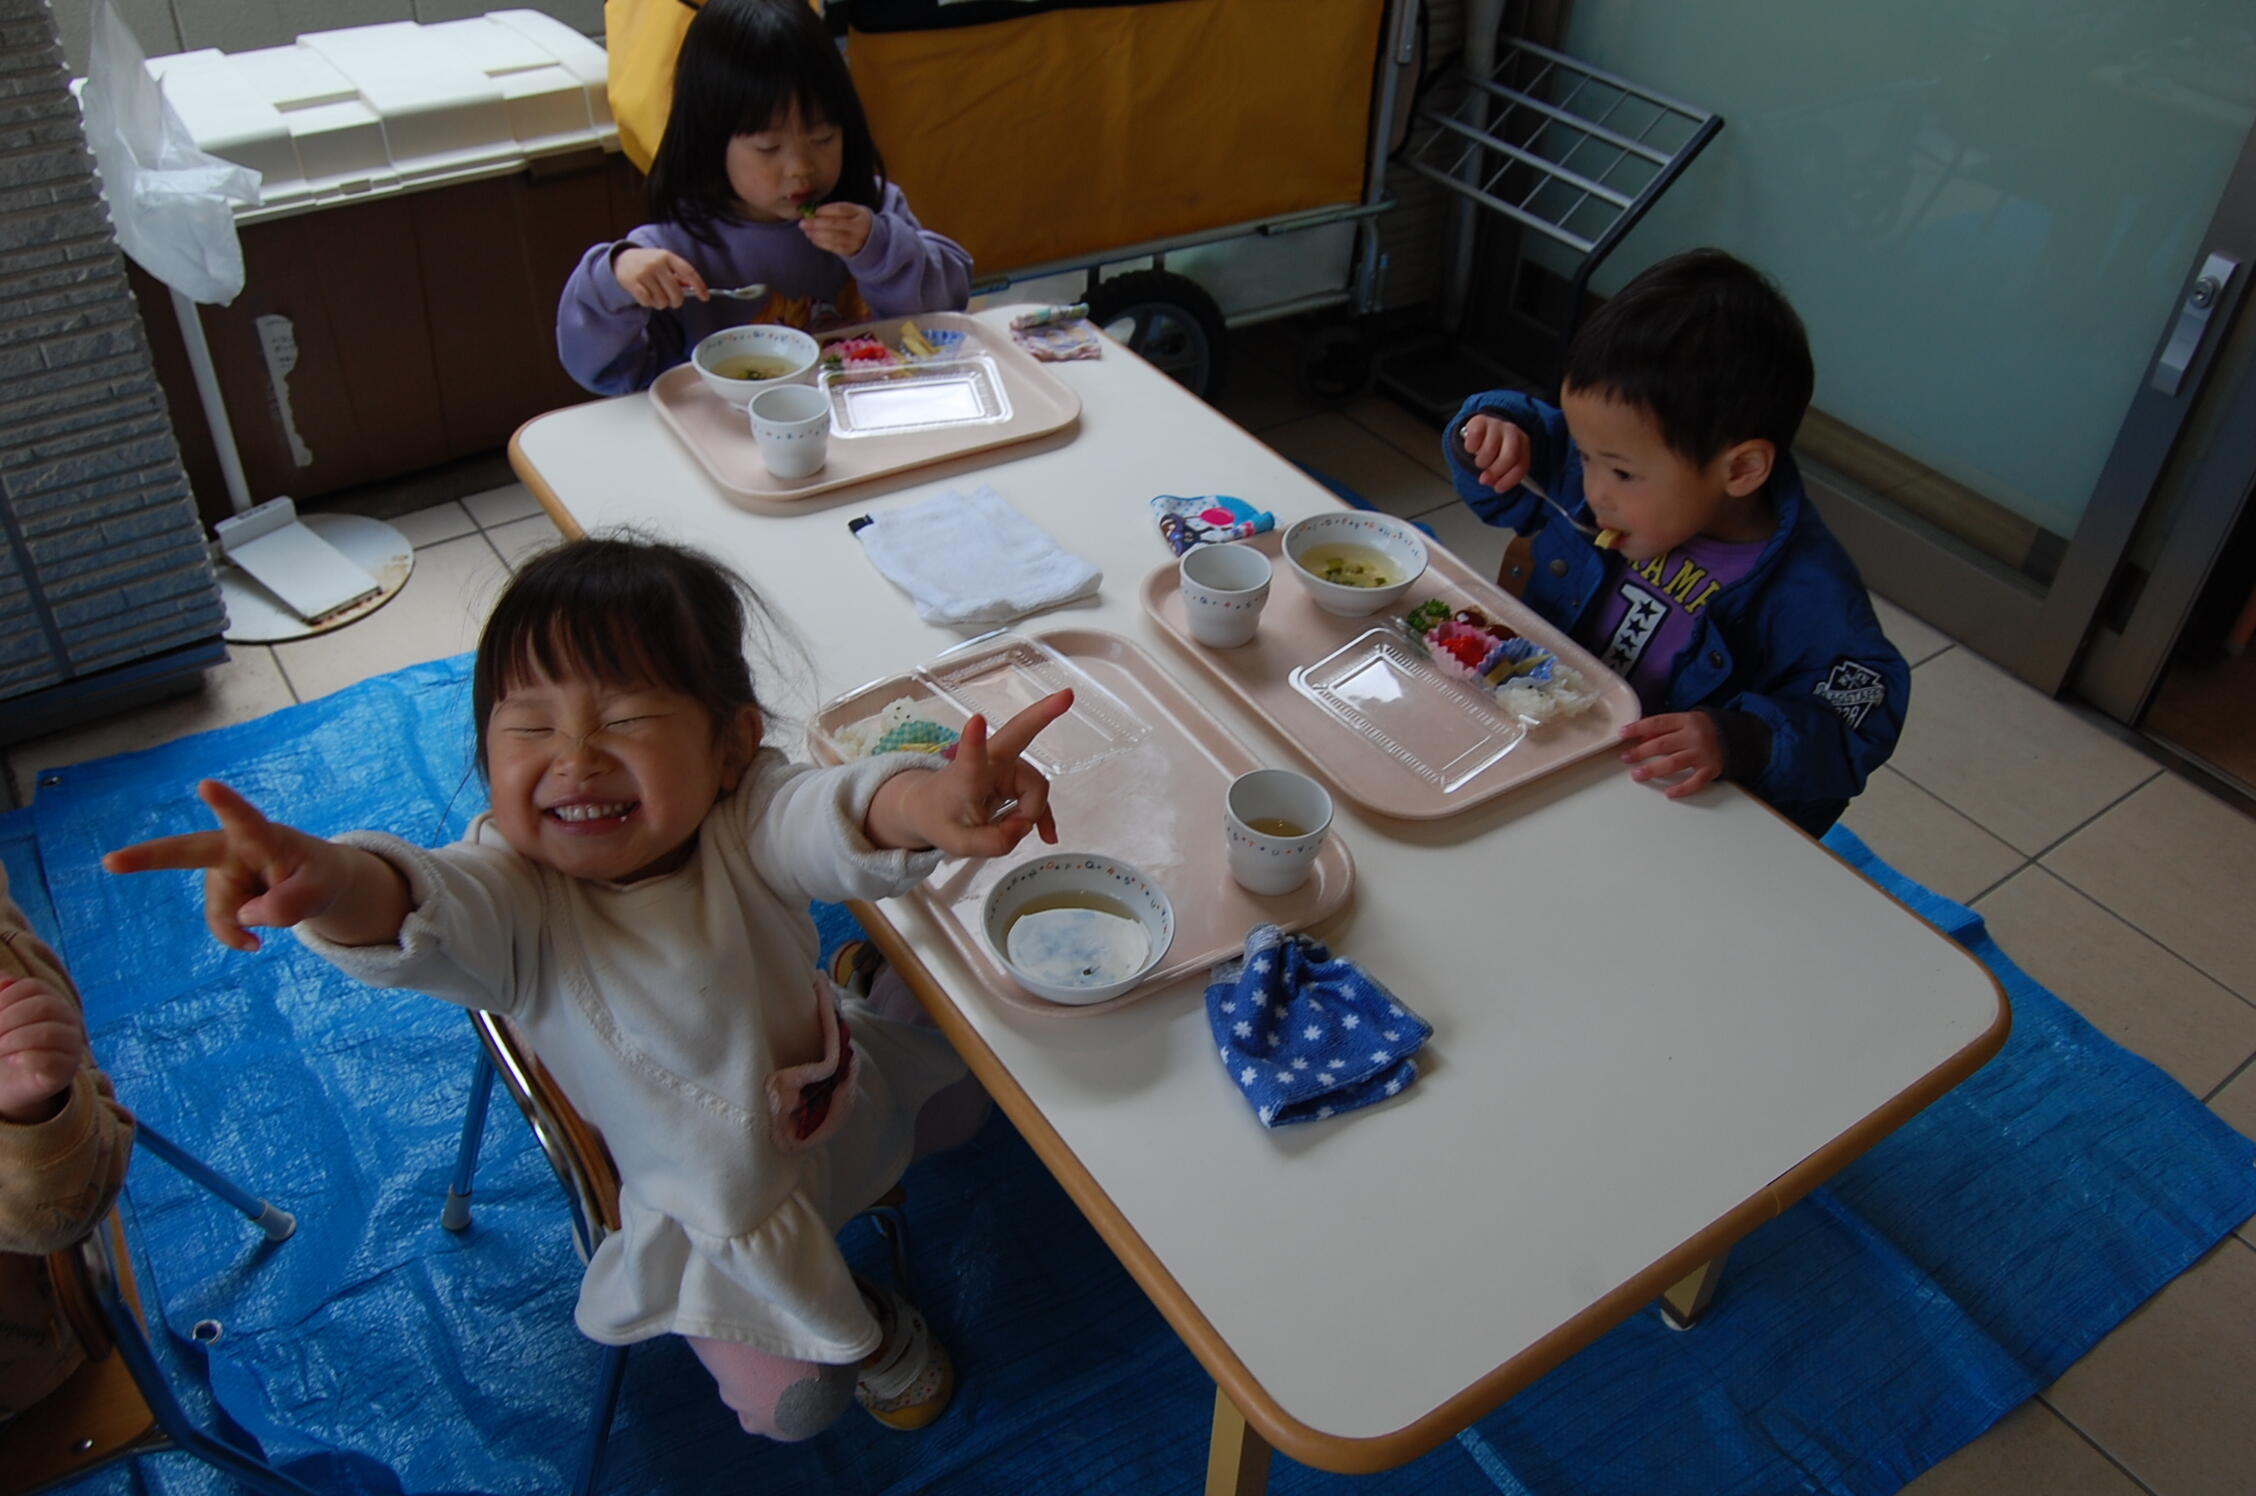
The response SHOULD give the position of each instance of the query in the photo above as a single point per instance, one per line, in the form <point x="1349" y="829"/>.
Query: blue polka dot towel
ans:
<point x="1307" y="1036"/>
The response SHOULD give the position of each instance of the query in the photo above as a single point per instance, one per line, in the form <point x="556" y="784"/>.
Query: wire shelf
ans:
<point x="1564" y="149"/>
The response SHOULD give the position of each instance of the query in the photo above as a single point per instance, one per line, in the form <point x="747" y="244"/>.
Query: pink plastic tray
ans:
<point x="1361" y="703"/>
<point x="719" y="435"/>
<point x="1138" y="770"/>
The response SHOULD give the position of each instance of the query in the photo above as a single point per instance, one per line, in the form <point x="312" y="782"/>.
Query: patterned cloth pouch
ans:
<point x="1060" y="342"/>
<point x="807" y="1103"/>
<point x="1207" y="519"/>
<point x="1307" y="1036"/>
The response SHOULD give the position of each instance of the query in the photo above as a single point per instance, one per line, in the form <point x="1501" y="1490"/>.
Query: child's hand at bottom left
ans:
<point x="953" y="808"/>
<point x="42" y="1045"/>
<point x="1686" y="743"/>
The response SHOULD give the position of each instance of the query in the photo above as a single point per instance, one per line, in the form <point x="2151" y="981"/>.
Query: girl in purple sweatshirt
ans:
<point x="766" y="175"/>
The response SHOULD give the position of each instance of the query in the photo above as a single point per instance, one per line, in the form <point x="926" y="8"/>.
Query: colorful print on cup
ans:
<point x="791" y="426"/>
<point x="1275" y="822"/>
<point x="1224" y="588"/>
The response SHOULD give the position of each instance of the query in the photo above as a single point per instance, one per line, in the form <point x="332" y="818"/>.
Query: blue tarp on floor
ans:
<point x="1943" y="1278"/>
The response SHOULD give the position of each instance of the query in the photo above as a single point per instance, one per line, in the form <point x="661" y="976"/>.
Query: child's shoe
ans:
<point x="908" y="1379"/>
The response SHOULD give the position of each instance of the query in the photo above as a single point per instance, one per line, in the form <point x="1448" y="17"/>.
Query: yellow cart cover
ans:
<point x="1061" y="135"/>
<point x="642" y="37"/>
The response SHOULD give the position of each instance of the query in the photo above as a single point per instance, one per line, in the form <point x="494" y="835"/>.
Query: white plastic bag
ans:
<point x="172" y="203"/>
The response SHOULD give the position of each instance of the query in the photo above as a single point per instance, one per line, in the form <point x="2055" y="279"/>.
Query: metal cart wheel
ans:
<point x="1169" y="320"/>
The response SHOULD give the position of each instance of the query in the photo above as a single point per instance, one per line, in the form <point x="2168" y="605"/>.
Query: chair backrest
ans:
<point x="98" y="1414"/>
<point x="576" y="1151"/>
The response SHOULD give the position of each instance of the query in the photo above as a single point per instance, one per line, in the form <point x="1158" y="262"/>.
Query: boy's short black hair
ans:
<point x="1705" y="342"/>
<point x="742" y="65"/>
<point x="627" y="611"/>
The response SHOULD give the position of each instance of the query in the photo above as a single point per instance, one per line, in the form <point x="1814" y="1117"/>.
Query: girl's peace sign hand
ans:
<point x="261" y="872"/>
<point x="951" y="808"/>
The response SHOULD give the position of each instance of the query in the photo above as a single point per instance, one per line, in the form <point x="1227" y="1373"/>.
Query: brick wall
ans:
<point x="102" y="558"/>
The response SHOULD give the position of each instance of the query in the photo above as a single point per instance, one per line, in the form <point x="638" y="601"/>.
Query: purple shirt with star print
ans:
<point x="1651" y="608"/>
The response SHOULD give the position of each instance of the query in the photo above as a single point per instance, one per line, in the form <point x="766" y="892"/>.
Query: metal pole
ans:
<point x="215" y="408"/>
<point x="1483" y="20"/>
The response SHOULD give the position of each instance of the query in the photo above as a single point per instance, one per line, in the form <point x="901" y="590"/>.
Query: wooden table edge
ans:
<point x="530" y="476"/>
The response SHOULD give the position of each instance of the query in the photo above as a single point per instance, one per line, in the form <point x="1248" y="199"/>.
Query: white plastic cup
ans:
<point x="1265" y="857"/>
<point x="791" y="427"/>
<point x="1225" y="586"/>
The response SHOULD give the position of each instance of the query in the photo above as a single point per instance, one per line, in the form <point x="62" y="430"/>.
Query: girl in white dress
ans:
<point x="636" y="902"/>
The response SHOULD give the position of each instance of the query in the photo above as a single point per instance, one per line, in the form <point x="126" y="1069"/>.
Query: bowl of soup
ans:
<point x="737" y="363"/>
<point x="1078" y="927"/>
<point x="1355" y="563"/>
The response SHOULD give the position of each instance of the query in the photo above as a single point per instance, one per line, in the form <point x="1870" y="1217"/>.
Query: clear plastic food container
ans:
<point x="923" y="396"/>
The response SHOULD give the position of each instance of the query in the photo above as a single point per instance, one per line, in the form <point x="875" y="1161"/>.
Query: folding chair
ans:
<point x="119" y="1405"/>
<point x="590" y="1179"/>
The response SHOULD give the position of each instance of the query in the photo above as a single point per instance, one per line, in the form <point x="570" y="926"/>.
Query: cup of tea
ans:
<point x="1276" y="822"/>
<point x="1224" y="586"/>
<point x="791" y="427"/>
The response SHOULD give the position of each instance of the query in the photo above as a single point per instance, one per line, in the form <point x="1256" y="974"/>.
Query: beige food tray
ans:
<point x="719" y="435"/>
<point x="1137" y="770"/>
<point x="1397" y="737"/>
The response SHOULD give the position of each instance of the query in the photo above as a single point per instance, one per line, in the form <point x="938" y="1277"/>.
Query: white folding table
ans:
<point x="1656" y="1023"/>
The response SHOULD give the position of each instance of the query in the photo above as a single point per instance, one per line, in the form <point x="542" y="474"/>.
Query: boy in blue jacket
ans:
<point x="1679" y="546"/>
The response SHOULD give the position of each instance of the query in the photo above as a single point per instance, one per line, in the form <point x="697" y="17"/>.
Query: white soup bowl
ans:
<point x="1395" y="539"/>
<point x="1079" y="962"/>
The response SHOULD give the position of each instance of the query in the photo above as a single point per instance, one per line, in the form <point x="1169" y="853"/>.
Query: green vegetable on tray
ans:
<point x="1427" y="614"/>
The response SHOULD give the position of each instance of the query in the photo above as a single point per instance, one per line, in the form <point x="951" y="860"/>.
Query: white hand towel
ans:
<point x="973" y="559"/>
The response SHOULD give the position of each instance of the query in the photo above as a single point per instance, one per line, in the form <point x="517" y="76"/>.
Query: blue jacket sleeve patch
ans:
<point x="1853" y="690"/>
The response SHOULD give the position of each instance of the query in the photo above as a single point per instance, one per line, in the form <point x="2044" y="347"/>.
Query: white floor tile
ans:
<point x="522" y="537"/>
<point x="1259" y="397"/>
<point x="438" y="613"/>
<point x="501" y="505"/>
<point x="2236" y="1103"/>
<point x="1918" y="640"/>
<point x="2018" y="764"/>
<point x="1480" y="546"/>
<point x="448" y="521"/>
<point x="2181" y="865"/>
<point x="1924" y="839"/>
<point x="2030" y="1452"/>
<point x="1407" y="433"/>
<point x="2129" y="987"/>
<point x="247" y="684"/>
<point x="1348" y="453"/>
<point x="2168" y="1392"/>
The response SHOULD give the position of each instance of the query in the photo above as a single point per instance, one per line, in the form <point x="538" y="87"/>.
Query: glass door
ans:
<point x="2017" y="231"/>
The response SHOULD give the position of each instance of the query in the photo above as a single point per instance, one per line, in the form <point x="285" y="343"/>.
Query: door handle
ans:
<point x="2201" y="299"/>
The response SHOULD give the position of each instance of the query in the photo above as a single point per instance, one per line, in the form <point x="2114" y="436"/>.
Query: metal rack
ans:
<point x="1568" y="151"/>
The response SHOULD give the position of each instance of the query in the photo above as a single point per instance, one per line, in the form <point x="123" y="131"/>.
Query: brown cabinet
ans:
<point x="423" y="327"/>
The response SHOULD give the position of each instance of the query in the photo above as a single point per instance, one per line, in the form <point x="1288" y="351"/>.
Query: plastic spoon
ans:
<point x="757" y="291"/>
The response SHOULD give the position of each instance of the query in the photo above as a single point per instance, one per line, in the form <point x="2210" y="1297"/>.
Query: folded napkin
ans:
<point x="973" y="559"/>
<point x="1307" y="1036"/>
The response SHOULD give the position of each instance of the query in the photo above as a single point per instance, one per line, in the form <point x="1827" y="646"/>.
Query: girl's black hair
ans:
<point x="627" y="611"/>
<point x="1706" y="343"/>
<point x="742" y="65"/>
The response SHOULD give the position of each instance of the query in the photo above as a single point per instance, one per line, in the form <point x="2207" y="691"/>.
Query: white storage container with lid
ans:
<point x="340" y="116"/>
